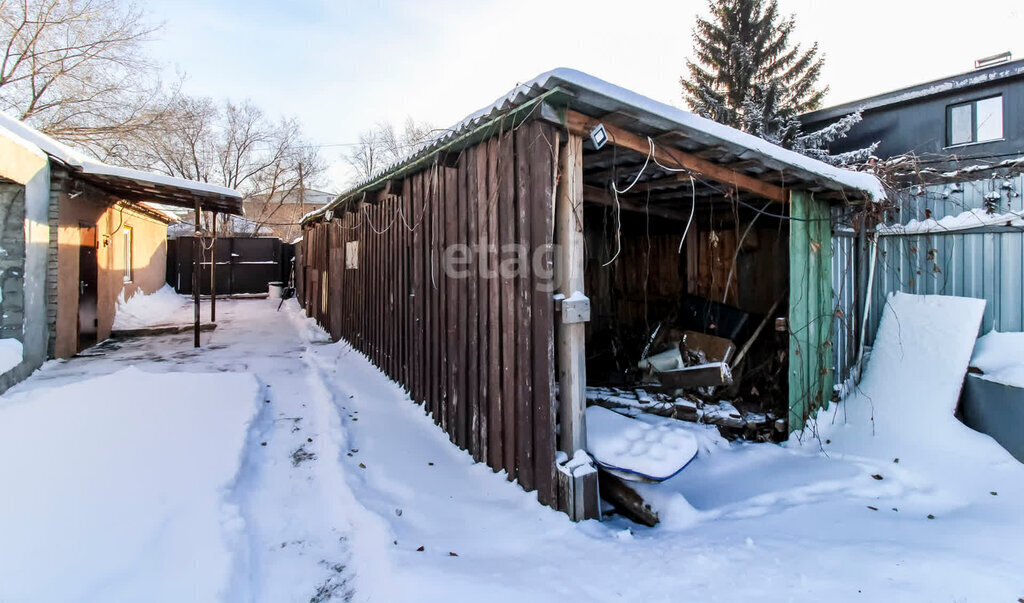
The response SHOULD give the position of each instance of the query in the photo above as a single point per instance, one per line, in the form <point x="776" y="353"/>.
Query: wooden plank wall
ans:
<point x="475" y="349"/>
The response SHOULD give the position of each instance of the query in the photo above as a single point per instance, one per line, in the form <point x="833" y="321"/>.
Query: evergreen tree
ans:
<point x="749" y="76"/>
<point x="746" y="67"/>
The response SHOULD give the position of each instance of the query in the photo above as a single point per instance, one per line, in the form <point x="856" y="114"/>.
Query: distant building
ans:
<point x="281" y="214"/>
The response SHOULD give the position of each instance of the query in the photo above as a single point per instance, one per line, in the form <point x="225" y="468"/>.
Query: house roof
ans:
<point x="668" y="126"/>
<point x="952" y="84"/>
<point x="132" y="184"/>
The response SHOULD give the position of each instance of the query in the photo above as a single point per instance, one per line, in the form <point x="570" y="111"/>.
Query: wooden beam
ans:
<point x="580" y="124"/>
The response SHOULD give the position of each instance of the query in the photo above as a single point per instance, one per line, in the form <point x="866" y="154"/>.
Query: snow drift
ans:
<point x="114" y="487"/>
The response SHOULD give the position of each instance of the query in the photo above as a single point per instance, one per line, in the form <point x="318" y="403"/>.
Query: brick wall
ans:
<point x="12" y="260"/>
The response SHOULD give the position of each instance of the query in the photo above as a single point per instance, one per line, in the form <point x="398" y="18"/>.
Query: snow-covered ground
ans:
<point x="357" y="494"/>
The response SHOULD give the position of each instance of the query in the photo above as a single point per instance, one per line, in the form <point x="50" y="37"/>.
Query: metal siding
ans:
<point x="985" y="265"/>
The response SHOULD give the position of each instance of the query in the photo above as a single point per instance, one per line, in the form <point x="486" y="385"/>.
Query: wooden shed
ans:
<point x="503" y="267"/>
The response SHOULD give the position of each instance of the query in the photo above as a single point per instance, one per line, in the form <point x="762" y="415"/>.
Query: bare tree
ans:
<point x="385" y="144"/>
<point x="75" y="70"/>
<point x="269" y="162"/>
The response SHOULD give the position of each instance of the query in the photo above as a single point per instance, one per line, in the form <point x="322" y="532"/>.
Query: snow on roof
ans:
<point x="87" y="165"/>
<point x="601" y="96"/>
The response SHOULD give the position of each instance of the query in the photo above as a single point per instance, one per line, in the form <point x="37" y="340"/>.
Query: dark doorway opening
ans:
<point x="88" y="273"/>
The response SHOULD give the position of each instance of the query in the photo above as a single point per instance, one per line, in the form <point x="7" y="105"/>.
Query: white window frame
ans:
<point x="128" y="238"/>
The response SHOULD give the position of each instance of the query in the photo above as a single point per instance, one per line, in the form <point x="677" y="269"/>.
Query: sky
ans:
<point x="341" y="66"/>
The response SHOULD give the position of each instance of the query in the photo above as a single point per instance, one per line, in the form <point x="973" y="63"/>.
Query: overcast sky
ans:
<point x="342" y="65"/>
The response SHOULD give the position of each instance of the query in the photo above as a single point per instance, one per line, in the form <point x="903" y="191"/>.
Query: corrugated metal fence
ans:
<point x="985" y="262"/>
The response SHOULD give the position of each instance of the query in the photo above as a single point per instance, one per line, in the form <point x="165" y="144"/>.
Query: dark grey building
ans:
<point x="973" y="115"/>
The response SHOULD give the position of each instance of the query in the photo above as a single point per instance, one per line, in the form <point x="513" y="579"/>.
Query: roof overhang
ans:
<point x="127" y="183"/>
<point x="576" y="101"/>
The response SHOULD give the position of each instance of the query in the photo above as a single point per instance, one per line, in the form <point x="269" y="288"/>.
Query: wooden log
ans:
<point x="626" y="500"/>
<point x="196" y="267"/>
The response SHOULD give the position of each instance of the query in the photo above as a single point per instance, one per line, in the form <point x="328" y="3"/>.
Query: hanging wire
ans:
<point x="618" y="206"/>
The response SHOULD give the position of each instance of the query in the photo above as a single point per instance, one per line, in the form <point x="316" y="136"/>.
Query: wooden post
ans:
<point x="213" y="265"/>
<point x="572" y="369"/>
<point x="580" y="499"/>
<point x="197" y="266"/>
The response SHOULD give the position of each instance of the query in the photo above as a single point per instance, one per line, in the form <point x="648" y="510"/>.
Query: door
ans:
<point x="87" y="294"/>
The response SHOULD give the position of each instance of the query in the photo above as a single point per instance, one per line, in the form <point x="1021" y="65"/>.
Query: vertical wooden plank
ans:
<point x="446" y="183"/>
<point x="451" y="202"/>
<point x="484" y="301"/>
<point x="415" y="292"/>
<point x="462" y="327"/>
<point x="507" y="234"/>
<point x="436" y="370"/>
<point x="472" y="306"/>
<point x="524" y="311"/>
<point x="495" y="444"/>
<point x="543" y="153"/>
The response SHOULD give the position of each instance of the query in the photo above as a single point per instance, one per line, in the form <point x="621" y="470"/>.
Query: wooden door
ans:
<point x="88" y="272"/>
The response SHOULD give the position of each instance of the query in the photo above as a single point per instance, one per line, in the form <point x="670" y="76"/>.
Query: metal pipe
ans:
<point x="213" y="265"/>
<point x="867" y="304"/>
<point x="196" y="267"/>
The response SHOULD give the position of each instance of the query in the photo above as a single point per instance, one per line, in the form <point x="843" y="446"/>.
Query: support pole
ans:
<point x="213" y="266"/>
<point x="578" y="486"/>
<point x="197" y="267"/>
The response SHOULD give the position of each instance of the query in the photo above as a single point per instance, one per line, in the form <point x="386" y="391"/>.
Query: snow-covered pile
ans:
<point x="116" y="488"/>
<point x="10" y="354"/>
<point x="1000" y="356"/>
<point x="655" y="450"/>
<point x="140" y="310"/>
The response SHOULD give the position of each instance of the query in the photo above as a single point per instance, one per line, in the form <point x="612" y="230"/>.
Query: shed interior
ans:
<point x="671" y="255"/>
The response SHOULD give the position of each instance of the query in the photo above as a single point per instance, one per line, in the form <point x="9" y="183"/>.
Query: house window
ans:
<point x="975" y="121"/>
<point x="127" y="254"/>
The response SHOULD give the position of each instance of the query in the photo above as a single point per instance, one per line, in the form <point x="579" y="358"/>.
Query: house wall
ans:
<point x="25" y="237"/>
<point x="149" y="259"/>
<point x="476" y="349"/>
<point x="919" y="126"/>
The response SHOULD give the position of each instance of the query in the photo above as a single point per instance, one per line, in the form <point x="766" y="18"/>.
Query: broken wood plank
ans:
<point x="626" y="499"/>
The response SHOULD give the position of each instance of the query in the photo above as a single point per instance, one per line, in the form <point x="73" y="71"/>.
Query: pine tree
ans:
<point x="749" y="76"/>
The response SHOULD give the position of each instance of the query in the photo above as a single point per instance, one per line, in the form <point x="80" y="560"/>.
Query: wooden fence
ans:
<point x="475" y="349"/>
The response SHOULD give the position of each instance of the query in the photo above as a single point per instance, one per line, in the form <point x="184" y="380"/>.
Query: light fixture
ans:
<point x="598" y="136"/>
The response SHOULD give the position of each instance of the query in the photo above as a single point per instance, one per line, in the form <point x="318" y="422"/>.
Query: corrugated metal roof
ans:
<point x="639" y="114"/>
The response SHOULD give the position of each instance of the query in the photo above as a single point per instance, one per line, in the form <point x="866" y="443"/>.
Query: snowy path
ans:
<point x="295" y="545"/>
<point x="754" y="522"/>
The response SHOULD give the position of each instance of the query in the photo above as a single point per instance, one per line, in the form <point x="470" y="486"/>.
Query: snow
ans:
<point x="975" y="218"/>
<point x="1000" y="356"/>
<point x="10" y="354"/>
<point x="88" y="165"/>
<point x="652" y="450"/>
<point x="110" y="496"/>
<point x="161" y="307"/>
<point x="743" y="521"/>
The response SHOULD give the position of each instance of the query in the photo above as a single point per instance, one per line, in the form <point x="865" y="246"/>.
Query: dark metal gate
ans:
<point x="244" y="264"/>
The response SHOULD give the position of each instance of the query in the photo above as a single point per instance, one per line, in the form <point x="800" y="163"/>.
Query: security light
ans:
<point x="598" y="136"/>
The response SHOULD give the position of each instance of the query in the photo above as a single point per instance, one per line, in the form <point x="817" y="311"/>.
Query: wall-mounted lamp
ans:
<point x="598" y="136"/>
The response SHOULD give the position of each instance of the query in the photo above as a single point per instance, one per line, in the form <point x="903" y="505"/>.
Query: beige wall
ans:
<point x="149" y="260"/>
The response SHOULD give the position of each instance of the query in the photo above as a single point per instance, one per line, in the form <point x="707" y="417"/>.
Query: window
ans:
<point x="975" y="121"/>
<point x="127" y="254"/>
